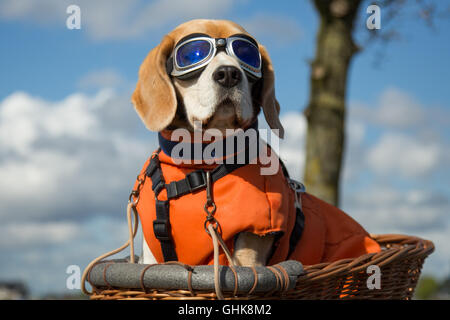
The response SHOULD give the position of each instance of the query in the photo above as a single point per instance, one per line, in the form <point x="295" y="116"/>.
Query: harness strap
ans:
<point x="299" y="223"/>
<point x="194" y="181"/>
<point x="297" y="231"/>
<point x="161" y="228"/>
<point x="161" y="225"/>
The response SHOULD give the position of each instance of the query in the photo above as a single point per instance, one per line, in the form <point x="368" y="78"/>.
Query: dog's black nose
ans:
<point x="227" y="76"/>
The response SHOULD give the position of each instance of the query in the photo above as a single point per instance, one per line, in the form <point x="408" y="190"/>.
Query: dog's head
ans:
<point x="222" y="96"/>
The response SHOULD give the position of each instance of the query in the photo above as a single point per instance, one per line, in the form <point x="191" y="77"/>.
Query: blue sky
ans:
<point x="68" y="129"/>
<point x="54" y="58"/>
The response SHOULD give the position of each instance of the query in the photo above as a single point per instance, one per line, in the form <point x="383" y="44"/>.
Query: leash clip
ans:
<point x="134" y="195"/>
<point x="210" y="204"/>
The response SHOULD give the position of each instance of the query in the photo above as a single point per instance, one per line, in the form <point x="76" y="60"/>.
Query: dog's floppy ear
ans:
<point x="269" y="103"/>
<point x="154" y="97"/>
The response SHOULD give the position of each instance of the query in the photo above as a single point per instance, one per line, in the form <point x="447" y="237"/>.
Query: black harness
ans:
<point x="196" y="181"/>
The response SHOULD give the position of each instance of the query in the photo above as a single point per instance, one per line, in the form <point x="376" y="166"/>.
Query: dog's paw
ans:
<point x="252" y="250"/>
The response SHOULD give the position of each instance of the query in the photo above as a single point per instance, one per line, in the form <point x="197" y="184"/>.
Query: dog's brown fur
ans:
<point x="155" y="98"/>
<point x="158" y="103"/>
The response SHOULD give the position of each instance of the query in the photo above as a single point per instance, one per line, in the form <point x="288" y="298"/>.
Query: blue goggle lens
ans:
<point x="247" y="52"/>
<point x="193" y="52"/>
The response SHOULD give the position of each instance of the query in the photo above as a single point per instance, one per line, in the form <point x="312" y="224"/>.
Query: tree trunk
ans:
<point x="325" y="112"/>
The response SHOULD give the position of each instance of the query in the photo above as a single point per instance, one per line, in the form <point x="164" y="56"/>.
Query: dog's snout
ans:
<point x="227" y="76"/>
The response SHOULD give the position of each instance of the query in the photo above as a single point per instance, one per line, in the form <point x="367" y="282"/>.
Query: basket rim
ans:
<point x="396" y="248"/>
<point x="406" y="246"/>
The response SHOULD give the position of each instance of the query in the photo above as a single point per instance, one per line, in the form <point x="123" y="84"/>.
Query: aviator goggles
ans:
<point x="190" y="56"/>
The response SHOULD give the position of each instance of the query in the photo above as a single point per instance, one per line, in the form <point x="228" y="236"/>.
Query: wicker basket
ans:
<point x="400" y="263"/>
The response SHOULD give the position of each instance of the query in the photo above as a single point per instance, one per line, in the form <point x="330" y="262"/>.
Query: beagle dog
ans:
<point x="212" y="74"/>
<point x="221" y="96"/>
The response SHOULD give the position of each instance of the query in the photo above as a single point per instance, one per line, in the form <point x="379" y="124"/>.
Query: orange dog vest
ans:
<point x="247" y="201"/>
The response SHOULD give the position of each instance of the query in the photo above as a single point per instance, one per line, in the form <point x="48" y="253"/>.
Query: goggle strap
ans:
<point x="251" y="77"/>
<point x="191" y="74"/>
<point x="169" y="65"/>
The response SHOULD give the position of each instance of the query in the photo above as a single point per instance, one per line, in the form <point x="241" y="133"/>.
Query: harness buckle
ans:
<point x="298" y="187"/>
<point x="193" y="180"/>
<point x="161" y="229"/>
<point x="158" y="188"/>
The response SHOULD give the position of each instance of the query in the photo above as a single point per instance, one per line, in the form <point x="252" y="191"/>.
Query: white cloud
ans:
<point x="394" y="109"/>
<point x="403" y="137"/>
<point x="278" y="28"/>
<point x="403" y="155"/>
<point x="393" y="170"/>
<point x="37" y="179"/>
<point x="69" y="158"/>
<point x="291" y="148"/>
<point x="382" y="209"/>
<point x="104" y="20"/>
<point x="100" y="79"/>
<point x="40" y="252"/>
<point x="356" y="132"/>
<point x="438" y="263"/>
<point x="42" y="233"/>
<point x="24" y="119"/>
<point x="162" y="12"/>
<point x="66" y="170"/>
<point x="399" y="109"/>
<point x="44" y="11"/>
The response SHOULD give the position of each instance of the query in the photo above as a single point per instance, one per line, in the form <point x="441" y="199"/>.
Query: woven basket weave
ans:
<point x="400" y="262"/>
